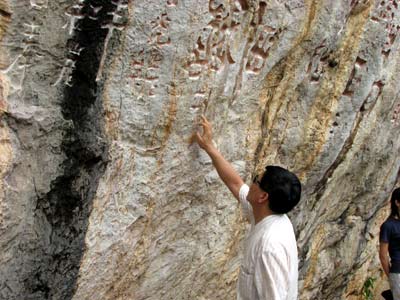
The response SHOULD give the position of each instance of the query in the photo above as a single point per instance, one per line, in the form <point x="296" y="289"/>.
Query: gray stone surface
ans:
<point x="102" y="195"/>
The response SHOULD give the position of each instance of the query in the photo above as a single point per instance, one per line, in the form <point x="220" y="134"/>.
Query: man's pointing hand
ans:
<point x="205" y="140"/>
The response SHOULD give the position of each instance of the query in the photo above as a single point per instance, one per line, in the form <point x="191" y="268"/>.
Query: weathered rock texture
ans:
<point x="103" y="197"/>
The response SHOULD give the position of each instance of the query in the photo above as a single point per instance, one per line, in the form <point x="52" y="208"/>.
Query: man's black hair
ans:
<point x="283" y="188"/>
<point x="394" y="211"/>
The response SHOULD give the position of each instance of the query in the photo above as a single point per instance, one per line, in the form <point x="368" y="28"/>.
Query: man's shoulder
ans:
<point x="280" y="236"/>
<point x="390" y="223"/>
<point x="282" y="226"/>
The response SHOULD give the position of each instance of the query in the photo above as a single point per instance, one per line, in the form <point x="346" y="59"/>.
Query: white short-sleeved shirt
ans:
<point x="269" y="270"/>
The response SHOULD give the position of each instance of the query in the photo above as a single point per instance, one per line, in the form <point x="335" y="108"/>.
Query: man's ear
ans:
<point x="263" y="197"/>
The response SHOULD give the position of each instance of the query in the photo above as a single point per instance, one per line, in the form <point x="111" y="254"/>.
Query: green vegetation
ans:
<point x="368" y="288"/>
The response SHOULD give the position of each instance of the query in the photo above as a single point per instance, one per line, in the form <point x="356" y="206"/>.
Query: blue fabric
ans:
<point x="390" y="233"/>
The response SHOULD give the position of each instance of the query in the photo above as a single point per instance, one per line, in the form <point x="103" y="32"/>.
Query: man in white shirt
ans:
<point x="269" y="270"/>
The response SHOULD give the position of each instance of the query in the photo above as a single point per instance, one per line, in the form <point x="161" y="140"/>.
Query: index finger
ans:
<point x="204" y="119"/>
<point x="204" y="124"/>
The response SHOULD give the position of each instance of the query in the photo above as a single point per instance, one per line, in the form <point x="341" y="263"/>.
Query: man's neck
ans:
<point x="261" y="213"/>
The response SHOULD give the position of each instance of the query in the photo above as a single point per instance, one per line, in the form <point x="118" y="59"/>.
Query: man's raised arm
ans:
<point x="225" y="170"/>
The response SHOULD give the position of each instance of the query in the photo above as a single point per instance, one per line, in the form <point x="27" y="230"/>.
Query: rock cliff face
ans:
<point x="103" y="197"/>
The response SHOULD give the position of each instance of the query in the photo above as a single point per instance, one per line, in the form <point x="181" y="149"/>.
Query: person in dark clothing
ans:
<point x="389" y="245"/>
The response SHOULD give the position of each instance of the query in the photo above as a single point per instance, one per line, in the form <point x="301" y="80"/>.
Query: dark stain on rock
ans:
<point x="68" y="204"/>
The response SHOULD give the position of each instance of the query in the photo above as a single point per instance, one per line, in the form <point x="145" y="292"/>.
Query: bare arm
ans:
<point x="228" y="174"/>
<point x="384" y="257"/>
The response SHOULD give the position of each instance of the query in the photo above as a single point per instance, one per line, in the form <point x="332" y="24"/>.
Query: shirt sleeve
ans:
<point x="271" y="277"/>
<point x="384" y="233"/>
<point x="246" y="207"/>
